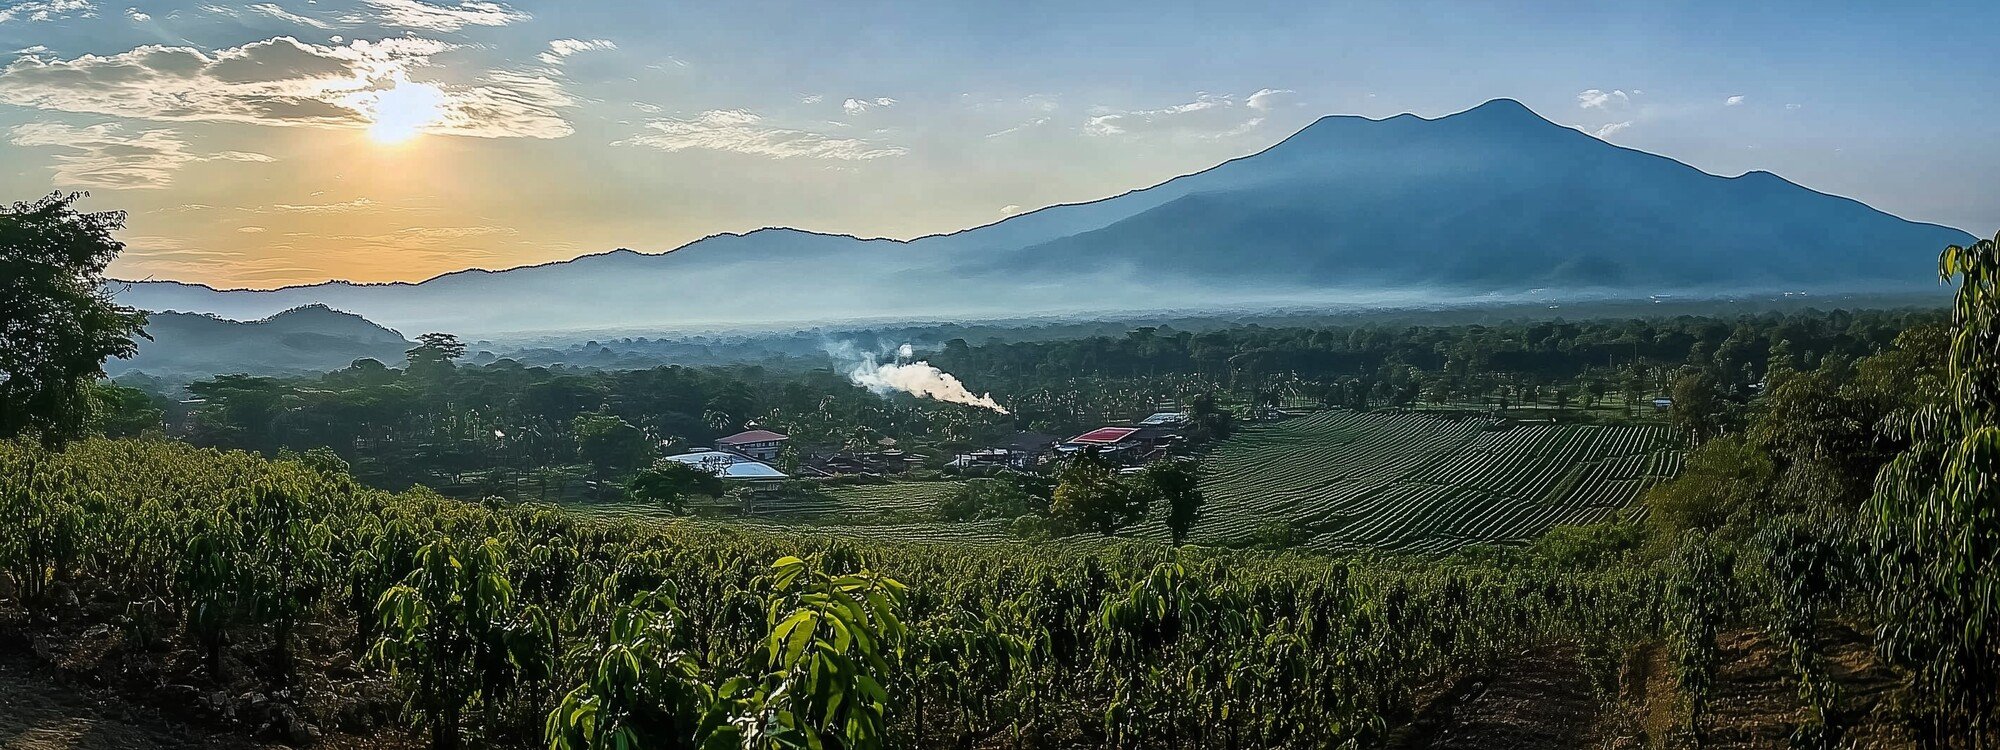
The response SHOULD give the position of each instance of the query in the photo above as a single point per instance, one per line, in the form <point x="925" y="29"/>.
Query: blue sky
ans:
<point x="285" y="141"/>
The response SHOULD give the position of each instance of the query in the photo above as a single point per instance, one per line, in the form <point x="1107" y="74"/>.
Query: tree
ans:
<point x="435" y="353"/>
<point x="1699" y="409"/>
<point x="57" y="321"/>
<point x="117" y="411"/>
<point x="670" y="483"/>
<point x="986" y="497"/>
<point x="609" y="444"/>
<point x="1089" y="495"/>
<point x="1173" y="485"/>
<point x="1724" y="478"/>
<point x="454" y="633"/>
<point x="1206" y="421"/>
<point x="1933" y="506"/>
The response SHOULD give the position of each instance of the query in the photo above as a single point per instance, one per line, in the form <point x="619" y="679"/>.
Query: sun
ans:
<point x="402" y="111"/>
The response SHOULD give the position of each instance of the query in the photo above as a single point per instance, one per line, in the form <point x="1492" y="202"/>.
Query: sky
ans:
<point x="261" y="144"/>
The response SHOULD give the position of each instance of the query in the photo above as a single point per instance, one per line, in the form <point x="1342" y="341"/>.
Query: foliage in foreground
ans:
<point x="529" y="626"/>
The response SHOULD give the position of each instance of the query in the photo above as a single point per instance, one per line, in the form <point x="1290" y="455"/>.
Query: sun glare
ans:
<point x="402" y="111"/>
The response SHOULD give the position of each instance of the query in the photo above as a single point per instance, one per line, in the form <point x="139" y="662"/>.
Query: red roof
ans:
<point x="1105" y="435"/>
<point x="752" y="436"/>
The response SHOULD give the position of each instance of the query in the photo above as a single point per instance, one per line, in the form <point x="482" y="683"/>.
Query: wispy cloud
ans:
<point x="358" y="204"/>
<point x="1209" y="116"/>
<point x="283" y="81"/>
<point x="1734" y="100"/>
<point x="416" y="14"/>
<point x="276" y="11"/>
<point x="743" y="132"/>
<point x="1034" y="123"/>
<point x="1265" y="98"/>
<point x="46" y="10"/>
<point x="1612" y="129"/>
<point x="858" y="106"/>
<point x="105" y="156"/>
<point x="1601" y="99"/>
<point x="562" y="49"/>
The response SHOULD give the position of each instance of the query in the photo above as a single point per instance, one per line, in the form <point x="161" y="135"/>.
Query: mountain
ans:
<point x="1491" y="203"/>
<point x="308" y="339"/>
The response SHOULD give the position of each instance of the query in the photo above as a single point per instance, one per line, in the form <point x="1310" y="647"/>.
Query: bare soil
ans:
<point x="37" y="712"/>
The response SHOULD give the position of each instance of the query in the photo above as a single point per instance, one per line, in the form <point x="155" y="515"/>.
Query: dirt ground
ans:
<point x="36" y="713"/>
<point x="1541" y="700"/>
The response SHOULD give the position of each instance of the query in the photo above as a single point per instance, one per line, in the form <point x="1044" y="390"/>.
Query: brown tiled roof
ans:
<point x="752" y="436"/>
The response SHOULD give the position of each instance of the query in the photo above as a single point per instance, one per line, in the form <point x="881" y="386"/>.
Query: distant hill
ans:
<point x="1494" y="203"/>
<point x="307" y="339"/>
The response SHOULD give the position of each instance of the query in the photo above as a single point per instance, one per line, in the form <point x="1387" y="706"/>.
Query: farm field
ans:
<point x="1419" y="483"/>
<point x="1396" y="481"/>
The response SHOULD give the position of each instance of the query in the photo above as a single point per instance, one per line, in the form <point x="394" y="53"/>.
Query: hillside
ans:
<point x="1495" y="202"/>
<point x="308" y="339"/>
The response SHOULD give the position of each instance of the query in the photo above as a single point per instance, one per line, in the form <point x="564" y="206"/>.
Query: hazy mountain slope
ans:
<point x="1492" y="201"/>
<point x="1496" y="199"/>
<point x="307" y="339"/>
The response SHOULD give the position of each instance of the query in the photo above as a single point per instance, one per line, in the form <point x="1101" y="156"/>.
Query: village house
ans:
<point x="1127" y="445"/>
<point x="762" y="445"/>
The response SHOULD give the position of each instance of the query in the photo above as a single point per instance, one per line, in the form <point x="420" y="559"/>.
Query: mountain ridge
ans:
<point x="1501" y="199"/>
<point x="311" y="338"/>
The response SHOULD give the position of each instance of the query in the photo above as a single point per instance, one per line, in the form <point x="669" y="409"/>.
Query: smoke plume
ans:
<point x="910" y="375"/>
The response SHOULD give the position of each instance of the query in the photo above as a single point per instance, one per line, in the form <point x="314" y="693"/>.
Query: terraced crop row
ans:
<point x="1413" y="482"/>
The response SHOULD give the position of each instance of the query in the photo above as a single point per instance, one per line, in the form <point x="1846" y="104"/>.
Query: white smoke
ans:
<point x="910" y="375"/>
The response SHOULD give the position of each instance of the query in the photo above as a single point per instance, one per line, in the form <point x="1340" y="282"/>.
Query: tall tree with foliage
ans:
<point x="609" y="444"/>
<point x="1937" y="526"/>
<point x="57" y="321"/>
<point x="670" y="483"/>
<point x="1089" y="495"/>
<point x="1699" y="408"/>
<point x="1172" y="486"/>
<point x="435" y="352"/>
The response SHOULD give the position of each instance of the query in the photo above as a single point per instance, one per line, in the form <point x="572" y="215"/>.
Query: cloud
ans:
<point x="1208" y="117"/>
<point x="275" y="11"/>
<point x="138" y="16"/>
<point x="252" y="230"/>
<point x="1034" y="123"/>
<point x="858" y="106"/>
<point x="416" y="14"/>
<point x="1793" y="106"/>
<point x="283" y="82"/>
<point x="743" y="132"/>
<point x="1612" y="129"/>
<point x="1600" y="99"/>
<point x="812" y="98"/>
<point x="562" y="49"/>
<point x="1733" y="101"/>
<point x="1264" y="98"/>
<point x="104" y="156"/>
<point x="46" y="10"/>
<point x="358" y="204"/>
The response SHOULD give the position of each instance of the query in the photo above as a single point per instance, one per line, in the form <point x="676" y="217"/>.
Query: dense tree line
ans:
<point x="1362" y="366"/>
<point x="1855" y="490"/>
